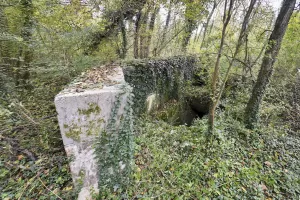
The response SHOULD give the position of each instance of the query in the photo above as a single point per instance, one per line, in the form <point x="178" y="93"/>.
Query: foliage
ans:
<point x="179" y="162"/>
<point x="164" y="77"/>
<point x="114" y="147"/>
<point x="31" y="149"/>
<point x="176" y="162"/>
<point x="32" y="153"/>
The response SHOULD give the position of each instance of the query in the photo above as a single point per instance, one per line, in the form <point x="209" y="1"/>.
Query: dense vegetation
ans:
<point x="247" y="146"/>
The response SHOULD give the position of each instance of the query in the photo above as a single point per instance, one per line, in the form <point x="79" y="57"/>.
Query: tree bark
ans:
<point x="136" y="35"/>
<point x="128" y="10"/>
<point x="22" y="72"/>
<point x="157" y="50"/>
<point x="163" y="38"/>
<point x="190" y="25"/>
<point x="266" y="70"/>
<point x="242" y="37"/>
<point x="226" y="18"/>
<point x="150" y="32"/>
<point x="124" y="37"/>
<point x="207" y="22"/>
<point x="4" y="50"/>
<point x="189" y="28"/>
<point x="143" y="33"/>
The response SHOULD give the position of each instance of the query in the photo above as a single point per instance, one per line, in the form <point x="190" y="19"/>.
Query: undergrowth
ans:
<point x="180" y="162"/>
<point x="33" y="163"/>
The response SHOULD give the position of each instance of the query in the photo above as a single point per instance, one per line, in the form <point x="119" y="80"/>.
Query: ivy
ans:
<point x="164" y="77"/>
<point x="114" y="148"/>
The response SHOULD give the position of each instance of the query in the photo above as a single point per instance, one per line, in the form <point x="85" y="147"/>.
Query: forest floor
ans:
<point x="33" y="162"/>
<point x="171" y="161"/>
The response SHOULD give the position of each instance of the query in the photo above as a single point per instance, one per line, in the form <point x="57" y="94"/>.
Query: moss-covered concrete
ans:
<point x="163" y="77"/>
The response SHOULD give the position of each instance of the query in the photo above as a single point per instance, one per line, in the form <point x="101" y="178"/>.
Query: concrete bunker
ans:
<point x="95" y="114"/>
<point x="156" y="82"/>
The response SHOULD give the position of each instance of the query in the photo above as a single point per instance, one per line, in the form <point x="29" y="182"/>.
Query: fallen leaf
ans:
<point x="263" y="187"/>
<point x="268" y="163"/>
<point x="244" y="189"/>
<point x="68" y="188"/>
<point x="20" y="157"/>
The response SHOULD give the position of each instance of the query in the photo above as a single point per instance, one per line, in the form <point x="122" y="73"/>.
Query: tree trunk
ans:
<point x="136" y="35"/>
<point x="226" y="18"/>
<point x="22" y="72"/>
<point x="4" y="50"/>
<point x="266" y="70"/>
<point x="207" y="22"/>
<point x="158" y="48"/>
<point x="150" y="32"/>
<point x="242" y="37"/>
<point x="128" y="10"/>
<point x="163" y="38"/>
<point x="189" y="28"/>
<point x="190" y="25"/>
<point x="143" y="33"/>
<point x="124" y="37"/>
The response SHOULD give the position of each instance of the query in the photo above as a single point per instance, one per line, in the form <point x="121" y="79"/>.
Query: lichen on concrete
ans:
<point x="74" y="132"/>
<point x="92" y="109"/>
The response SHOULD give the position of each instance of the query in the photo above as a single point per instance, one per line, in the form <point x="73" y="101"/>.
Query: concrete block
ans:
<point x="82" y="116"/>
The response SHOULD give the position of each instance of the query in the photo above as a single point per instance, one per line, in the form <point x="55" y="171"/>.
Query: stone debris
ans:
<point x="96" y="78"/>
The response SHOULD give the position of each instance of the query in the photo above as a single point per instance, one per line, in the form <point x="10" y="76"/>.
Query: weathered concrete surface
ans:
<point x="163" y="77"/>
<point x="81" y="118"/>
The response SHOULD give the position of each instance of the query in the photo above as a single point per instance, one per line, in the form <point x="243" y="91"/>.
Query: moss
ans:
<point x="94" y="127"/>
<point x="93" y="108"/>
<point x="80" y="180"/>
<point x="195" y="91"/>
<point x="74" y="133"/>
<point x="100" y="121"/>
<point x="164" y="77"/>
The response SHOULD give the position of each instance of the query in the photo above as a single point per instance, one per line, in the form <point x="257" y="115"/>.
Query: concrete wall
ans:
<point x="82" y="116"/>
<point x="162" y="77"/>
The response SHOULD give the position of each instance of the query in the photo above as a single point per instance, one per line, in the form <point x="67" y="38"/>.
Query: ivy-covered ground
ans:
<point x="181" y="162"/>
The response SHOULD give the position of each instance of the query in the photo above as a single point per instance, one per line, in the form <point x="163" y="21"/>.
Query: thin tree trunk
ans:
<point x="198" y="34"/>
<point x="207" y="23"/>
<point x="124" y="37"/>
<point x="128" y="9"/>
<point x="189" y="28"/>
<point x="158" y="48"/>
<point x="242" y="36"/>
<point x="150" y="32"/>
<point x="167" y="23"/>
<point x="266" y="70"/>
<point x="136" y="35"/>
<point x="215" y="78"/>
<point x="4" y="50"/>
<point x="22" y="72"/>
<point x="143" y="33"/>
